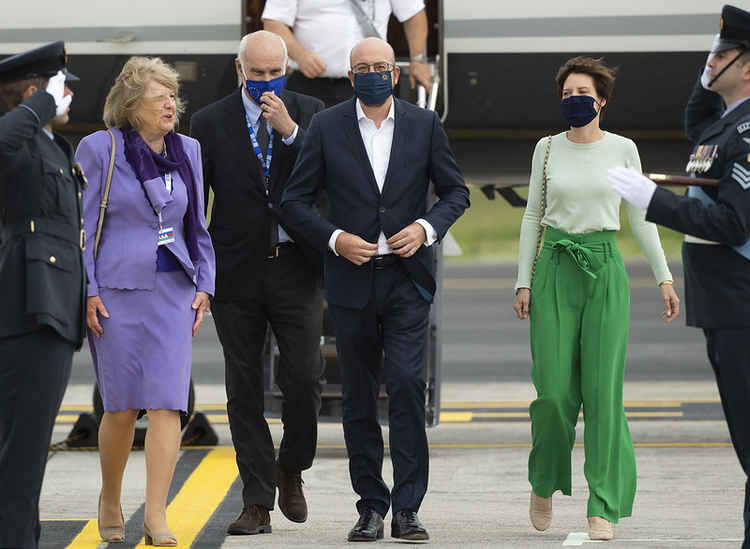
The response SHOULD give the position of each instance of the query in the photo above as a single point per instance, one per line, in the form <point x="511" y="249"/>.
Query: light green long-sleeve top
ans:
<point x="579" y="199"/>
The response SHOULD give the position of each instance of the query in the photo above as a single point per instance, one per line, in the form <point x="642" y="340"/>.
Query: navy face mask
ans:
<point x="373" y="88"/>
<point x="578" y="110"/>
<point x="256" y="88"/>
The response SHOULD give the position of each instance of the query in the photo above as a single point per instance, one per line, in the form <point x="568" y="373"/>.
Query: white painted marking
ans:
<point x="450" y="245"/>
<point x="576" y="539"/>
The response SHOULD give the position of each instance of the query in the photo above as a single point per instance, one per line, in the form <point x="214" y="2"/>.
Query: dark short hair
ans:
<point x="603" y="76"/>
<point x="12" y="92"/>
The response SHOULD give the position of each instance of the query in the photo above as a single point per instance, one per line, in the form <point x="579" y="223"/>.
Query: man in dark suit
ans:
<point x="376" y="155"/>
<point x="716" y="222"/>
<point x="41" y="276"/>
<point x="266" y="274"/>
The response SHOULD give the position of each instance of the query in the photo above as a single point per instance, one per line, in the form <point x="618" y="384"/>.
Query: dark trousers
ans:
<point x="393" y="323"/>
<point x="290" y="300"/>
<point x="727" y="351"/>
<point x="34" y="371"/>
<point x="330" y="91"/>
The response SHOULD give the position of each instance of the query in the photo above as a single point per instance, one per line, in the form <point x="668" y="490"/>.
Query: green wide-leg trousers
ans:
<point x="580" y="310"/>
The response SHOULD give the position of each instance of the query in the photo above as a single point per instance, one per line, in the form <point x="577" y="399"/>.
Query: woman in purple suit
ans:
<point x="149" y="285"/>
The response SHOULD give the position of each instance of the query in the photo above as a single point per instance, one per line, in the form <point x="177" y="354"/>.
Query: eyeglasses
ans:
<point x="380" y="66"/>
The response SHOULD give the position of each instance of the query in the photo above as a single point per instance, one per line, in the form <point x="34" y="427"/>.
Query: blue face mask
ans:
<point x="578" y="110"/>
<point x="373" y="88"/>
<point x="256" y="88"/>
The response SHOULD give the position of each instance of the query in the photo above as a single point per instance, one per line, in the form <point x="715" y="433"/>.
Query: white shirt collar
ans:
<point x="361" y="113"/>
<point x="251" y="108"/>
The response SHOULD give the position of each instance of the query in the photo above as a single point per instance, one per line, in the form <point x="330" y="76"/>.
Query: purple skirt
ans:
<point x="142" y="360"/>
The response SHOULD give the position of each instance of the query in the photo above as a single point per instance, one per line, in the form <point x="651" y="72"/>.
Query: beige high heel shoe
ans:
<point x="164" y="539"/>
<point x="110" y="534"/>
<point x="540" y="512"/>
<point x="600" y="529"/>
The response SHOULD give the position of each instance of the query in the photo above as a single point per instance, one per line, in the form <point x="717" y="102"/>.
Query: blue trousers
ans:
<point x="34" y="371"/>
<point x="386" y="337"/>
<point x="727" y="351"/>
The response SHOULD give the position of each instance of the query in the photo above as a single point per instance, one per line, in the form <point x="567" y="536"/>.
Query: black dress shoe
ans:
<point x="369" y="527"/>
<point x="406" y="525"/>
<point x="254" y="519"/>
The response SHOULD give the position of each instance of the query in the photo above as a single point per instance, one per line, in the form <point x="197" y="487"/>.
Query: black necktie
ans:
<point x="262" y="135"/>
<point x="263" y="139"/>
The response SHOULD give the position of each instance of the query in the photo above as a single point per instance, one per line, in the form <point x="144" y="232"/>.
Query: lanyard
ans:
<point x="265" y="163"/>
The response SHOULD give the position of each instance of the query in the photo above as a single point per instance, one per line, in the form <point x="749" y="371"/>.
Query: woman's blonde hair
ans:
<point x="124" y="99"/>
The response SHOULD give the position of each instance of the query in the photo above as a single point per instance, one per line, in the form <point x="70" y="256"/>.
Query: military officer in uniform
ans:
<point x="41" y="277"/>
<point x="716" y="222"/>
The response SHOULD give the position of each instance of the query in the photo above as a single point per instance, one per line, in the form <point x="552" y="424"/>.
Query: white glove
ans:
<point x="706" y="76"/>
<point x="56" y="88"/>
<point x="632" y="186"/>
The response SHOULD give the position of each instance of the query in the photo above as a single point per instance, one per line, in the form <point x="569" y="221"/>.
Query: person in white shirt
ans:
<point x="376" y="155"/>
<point x="320" y="34"/>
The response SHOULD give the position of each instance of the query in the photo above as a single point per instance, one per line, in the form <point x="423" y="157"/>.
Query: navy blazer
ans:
<point x="241" y="218"/>
<point x="333" y="157"/>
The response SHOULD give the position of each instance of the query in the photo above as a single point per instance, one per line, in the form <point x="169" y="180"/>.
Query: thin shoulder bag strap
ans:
<point x="105" y="198"/>
<point x="540" y="229"/>
<point x="364" y="21"/>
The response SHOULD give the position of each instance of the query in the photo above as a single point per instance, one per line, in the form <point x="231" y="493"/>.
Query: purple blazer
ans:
<point x="127" y="249"/>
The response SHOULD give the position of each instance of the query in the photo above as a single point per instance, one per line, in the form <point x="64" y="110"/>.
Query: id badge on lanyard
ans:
<point x="166" y="234"/>
<point x="265" y="163"/>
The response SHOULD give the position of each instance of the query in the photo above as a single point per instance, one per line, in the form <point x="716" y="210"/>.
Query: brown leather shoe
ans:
<point x="291" y="498"/>
<point x="254" y="519"/>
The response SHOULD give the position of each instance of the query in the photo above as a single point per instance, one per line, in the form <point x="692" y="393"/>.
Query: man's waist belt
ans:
<point x="281" y="249"/>
<point x="383" y="261"/>
<point x="69" y="233"/>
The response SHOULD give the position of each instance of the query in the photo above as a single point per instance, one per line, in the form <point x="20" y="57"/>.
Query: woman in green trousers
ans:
<point x="576" y="294"/>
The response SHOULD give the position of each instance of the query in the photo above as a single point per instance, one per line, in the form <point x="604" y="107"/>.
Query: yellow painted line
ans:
<point x="456" y="417"/>
<point x="683" y="444"/>
<point x="210" y="407"/>
<point x="87" y="538"/>
<point x="445" y="417"/>
<point x="654" y="403"/>
<point x="474" y="404"/>
<point x="505" y="283"/>
<point x="489" y="415"/>
<point x="201" y="494"/>
<point x="67" y="419"/>
<point x="451" y="404"/>
<point x="653" y="414"/>
<point x="500" y="445"/>
<point x="77" y="408"/>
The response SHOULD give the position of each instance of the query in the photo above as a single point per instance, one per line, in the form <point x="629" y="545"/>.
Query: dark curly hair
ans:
<point x="603" y="76"/>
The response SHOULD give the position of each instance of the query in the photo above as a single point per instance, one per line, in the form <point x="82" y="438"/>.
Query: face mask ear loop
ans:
<point x="732" y="62"/>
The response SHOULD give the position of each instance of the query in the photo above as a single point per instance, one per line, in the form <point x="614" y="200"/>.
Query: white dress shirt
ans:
<point x="329" y="28"/>
<point x="378" y="143"/>
<point x="253" y="113"/>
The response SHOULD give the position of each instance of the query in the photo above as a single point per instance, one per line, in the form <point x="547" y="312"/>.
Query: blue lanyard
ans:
<point x="265" y="163"/>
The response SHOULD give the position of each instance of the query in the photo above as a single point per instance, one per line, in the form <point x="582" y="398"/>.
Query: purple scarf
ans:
<point x="149" y="165"/>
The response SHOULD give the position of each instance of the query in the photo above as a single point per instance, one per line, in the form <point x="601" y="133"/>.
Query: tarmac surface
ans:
<point x="691" y="487"/>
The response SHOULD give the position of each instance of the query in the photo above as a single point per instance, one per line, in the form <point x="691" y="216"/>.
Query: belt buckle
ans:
<point x="274" y="252"/>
